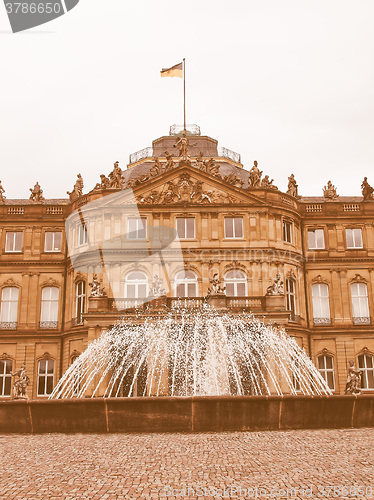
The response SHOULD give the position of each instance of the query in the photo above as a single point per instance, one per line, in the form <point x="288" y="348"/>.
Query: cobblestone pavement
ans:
<point x="123" y="466"/>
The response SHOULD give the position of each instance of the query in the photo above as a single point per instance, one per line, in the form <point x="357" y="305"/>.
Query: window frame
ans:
<point x="52" y="321"/>
<point x="287" y="223"/>
<point x="324" y="371"/>
<point x="314" y="231"/>
<point x="354" y="247"/>
<point x="364" y="370"/>
<point x="322" y="301"/>
<point x="233" y="218"/>
<point x="138" y="229"/>
<point x="82" y="235"/>
<point x="235" y="282"/>
<point x="291" y="296"/>
<point x="185" y="219"/>
<point x="78" y="301"/>
<point x="359" y="299"/>
<point x="137" y="283"/>
<point x="10" y="301"/>
<point x="186" y="282"/>
<point x="46" y="376"/>
<point x="4" y="376"/>
<point x="53" y="241"/>
<point x="7" y="233"/>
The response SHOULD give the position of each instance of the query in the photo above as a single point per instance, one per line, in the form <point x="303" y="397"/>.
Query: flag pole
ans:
<point x="184" y="95"/>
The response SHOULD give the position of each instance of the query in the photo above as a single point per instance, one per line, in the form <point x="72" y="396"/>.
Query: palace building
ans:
<point x="183" y="215"/>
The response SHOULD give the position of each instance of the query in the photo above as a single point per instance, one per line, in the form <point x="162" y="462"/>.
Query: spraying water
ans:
<point x="199" y="352"/>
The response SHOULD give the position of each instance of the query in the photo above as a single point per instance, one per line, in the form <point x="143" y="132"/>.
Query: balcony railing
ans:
<point x="122" y="304"/>
<point x="8" y="325"/>
<point x="322" y="321"/>
<point x="253" y="303"/>
<point x="140" y="155"/>
<point x="186" y="302"/>
<point x="48" y="325"/>
<point x="361" y="321"/>
<point x="231" y="155"/>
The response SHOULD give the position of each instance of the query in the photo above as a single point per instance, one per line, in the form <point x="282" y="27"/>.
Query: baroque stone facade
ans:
<point x="306" y="263"/>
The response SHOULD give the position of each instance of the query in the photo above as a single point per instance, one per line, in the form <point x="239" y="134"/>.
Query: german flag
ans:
<point x="174" y="71"/>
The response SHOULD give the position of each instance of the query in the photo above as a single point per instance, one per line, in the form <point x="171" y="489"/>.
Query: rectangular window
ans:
<point x="353" y="238"/>
<point x="326" y="369"/>
<point x="5" y="377"/>
<point x="52" y="241"/>
<point x="360" y="303"/>
<point x="186" y="228"/>
<point x="233" y="227"/>
<point x="45" y="377"/>
<point x="316" y="239"/>
<point x="137" y="229"/>
<point x="13" y="241"/>
<point x="82" y="235"/>
<point x="321" y="303"/>
<point x="9" y="307"/>
<point x="287" y="231"/>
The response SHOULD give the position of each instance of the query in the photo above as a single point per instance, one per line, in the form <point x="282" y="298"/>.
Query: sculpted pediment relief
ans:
<point x="187" y="189"/>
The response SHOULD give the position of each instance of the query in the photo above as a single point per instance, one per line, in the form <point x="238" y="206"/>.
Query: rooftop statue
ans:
<point x="211" y="167"/>
<point x="37" y="193"/>
<point x="2" y="191"/>
<point x="182" y="145"/>
<point x="169" y="165"/>
<point x="233" y="179"/>
<point x="115" y="177"/>
<point x="255" y="175"/>
<point x="200" y="162"/>
<point x="292" y="186"/>
<point x="353" y="380"/>
<point x="267" y="183"/>
<point x="96" y="289"/>
<point x="77" y="190"/>
<point x="20" y="385"/>
<point x="329" y="191"/>
<point x="216" y="287"/>
<point x="367" y="190"/>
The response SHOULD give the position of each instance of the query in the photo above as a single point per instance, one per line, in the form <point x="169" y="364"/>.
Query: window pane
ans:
<point x="369" y="361"/>
<point x="320" y="238"/>
<point x="330" y="380"/>
<point x="48" y="242"/>
<point x="358" y="237"/>
<point x="230" y="290"/>
<point x="58" y="242"/>
<point x="370" y="375"/>
<point x="49" y="385"/>
<point x="321" y="362"/>
<point x="191" y="290"/>
<point x="311" y="239"/>
<point x="42" y="366"/>
<point x="349" y="238"/>
<point x="142" y="223"/>
<point x="41" y="385"/>
<point x="142" y="291"/>
<point x="241" y="289"/>
<point x="7" y="386"/>
<point x="229" y="227"/>
<point x="180" y="290"/>
<point x="190" y="228"/>
<point x="361" y="362"/>
<point x="50" y="366"/>
<point x="181" y="228"/>
<point x="328" y="362"/>
<point x="238" y="227"/>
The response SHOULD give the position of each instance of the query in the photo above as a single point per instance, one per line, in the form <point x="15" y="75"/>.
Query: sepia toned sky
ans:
<point x="288" y="83"/>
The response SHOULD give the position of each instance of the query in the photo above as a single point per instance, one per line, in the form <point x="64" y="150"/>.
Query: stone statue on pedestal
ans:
<point x="367" y="190"/>
<point x="156" y="290"/>
<point x="292" y="186"/>
<point x="2" y="191"/>
<point x="37" y="193"/>
<point x="216" y="287"/>
<point x="353" y="385"/>
<point x="182" y="146"/>
<point x="77" y="190"/>
<point x="115" y="177"/>
<point x="329" y="191"/>
<point x="20" y="385"/>
<point x="277" y="288"/>
<point x="96" y="289"/>
<point x="255" y="175"/>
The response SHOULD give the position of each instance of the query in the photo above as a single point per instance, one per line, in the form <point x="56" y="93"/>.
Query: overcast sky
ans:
<point x="288" y="83"/>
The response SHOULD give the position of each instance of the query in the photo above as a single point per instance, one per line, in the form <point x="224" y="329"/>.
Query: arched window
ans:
<point x="321" y="304"/>
<point x="136" y="285"/>
<point x="236" y="283"/>
<point x="6" y="367"/>
<point x="366" y="367"/>
<point x="46" y="372"/>
<point x="80" y="300"/>
<point x="326" y="369"/>
<point x="49" y="309"/>
<point x="360" y="303"/>
<point x="291" y="295"/>
<point x="186" y="284"/>
<point x="9" y="307"/>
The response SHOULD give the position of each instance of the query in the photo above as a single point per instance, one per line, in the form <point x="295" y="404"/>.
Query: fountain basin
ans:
<point x="186" y="414"/>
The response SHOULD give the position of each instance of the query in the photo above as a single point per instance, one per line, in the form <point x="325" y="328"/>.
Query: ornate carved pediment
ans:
<point x="10" y="282"/>
<point x="79" y="277"/>
<point x="185" y="189"/>
<point x="319" y="279"/>
<point x="50" y="282"/>
<point x="46" y="355"/>
<point x="358" y="279"/>
<point x="5" y="356"/>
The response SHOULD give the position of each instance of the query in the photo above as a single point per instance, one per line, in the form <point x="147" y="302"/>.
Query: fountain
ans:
<point x="198" y="352"/>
